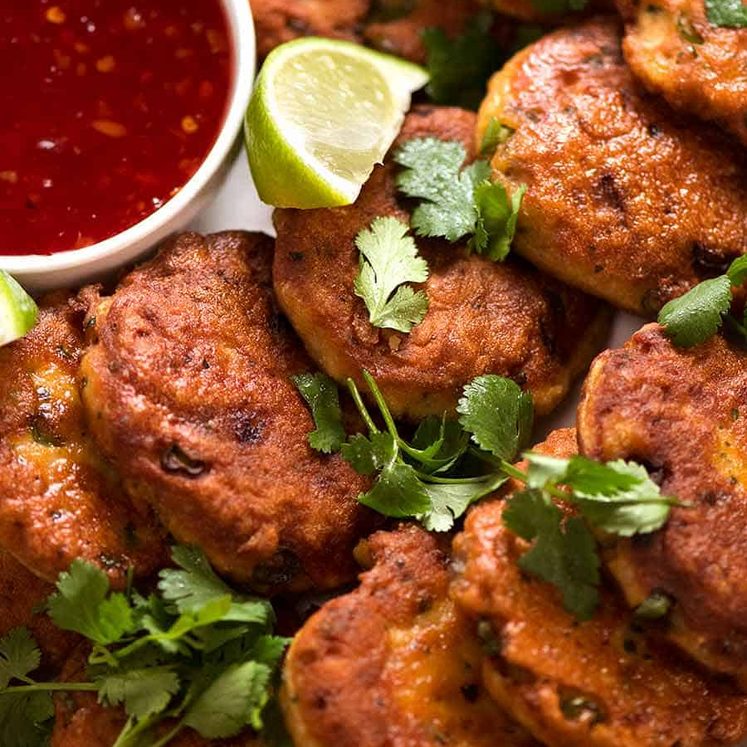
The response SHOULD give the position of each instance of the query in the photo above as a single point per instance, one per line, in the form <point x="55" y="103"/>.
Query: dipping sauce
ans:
<point x="107" y="107"/>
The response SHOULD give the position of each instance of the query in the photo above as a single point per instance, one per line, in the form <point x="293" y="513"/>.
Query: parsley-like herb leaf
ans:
<point x="321" y="395"/>
<point x="563" y="552"/>
<point x="497" y="414"/>
<point x="389" y="259"/>
<point x="84" y="605"/>
<point x="697" y="315"/>
<point x="143" y="692"/>
<point x="459" y="67"/>
<point x="19" y="655"/>
<point x="457" y="202"/>
<point x="729" y="13"/>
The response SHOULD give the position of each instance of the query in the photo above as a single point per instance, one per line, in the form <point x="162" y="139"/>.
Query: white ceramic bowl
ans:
<point x="73" y="268"/>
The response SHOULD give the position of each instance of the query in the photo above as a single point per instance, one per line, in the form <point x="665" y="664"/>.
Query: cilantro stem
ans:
<point x="50" y="686"/>
<point x="169" y="736"/>
<point x="383" y="407"/>
<point x="362" y="409"/>
<point x="514" y="472"/>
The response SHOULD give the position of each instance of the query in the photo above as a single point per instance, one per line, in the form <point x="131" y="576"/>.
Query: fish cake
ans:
<point x="682" y="414"/>
<point x="698" y="67"/>
<point x="484" y="317"/>
<point x="599" y="683"/>
<point x="393" y="664"/>
<point x="280" y="21"/>
<point x="190" y="394"/>
<point x="59" y="500"/>
<point x="625" y="200"/>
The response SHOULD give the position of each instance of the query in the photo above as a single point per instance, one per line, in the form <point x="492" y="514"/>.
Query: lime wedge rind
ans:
<point x="18" y="311"/>
<point x="311" y="83"/>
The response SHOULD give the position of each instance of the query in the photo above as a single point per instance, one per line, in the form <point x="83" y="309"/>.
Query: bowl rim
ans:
<point x="241" y="26"/>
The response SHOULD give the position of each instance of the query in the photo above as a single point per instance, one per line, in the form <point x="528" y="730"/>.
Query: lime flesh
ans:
<point x="18" y="312"/>
<point x="323" y="113"/>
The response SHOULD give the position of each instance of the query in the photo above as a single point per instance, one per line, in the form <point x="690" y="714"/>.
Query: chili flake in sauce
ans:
<point x="107" y="107"/>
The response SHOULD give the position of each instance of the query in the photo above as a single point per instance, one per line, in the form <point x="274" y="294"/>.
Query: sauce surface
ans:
<point x="107" y="107"/>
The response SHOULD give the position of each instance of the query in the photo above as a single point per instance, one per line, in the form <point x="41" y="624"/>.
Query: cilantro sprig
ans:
<point x="697" y="315"/>
<point x="617" y="498"/>
<point x="457" y="202"/>
<point x="449" y="464"/>
<point x="388" y="260"/>
<point x="195" y="653"/>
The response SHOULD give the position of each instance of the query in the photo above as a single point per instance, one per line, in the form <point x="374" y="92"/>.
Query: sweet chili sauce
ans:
<point x="107" y="107"/>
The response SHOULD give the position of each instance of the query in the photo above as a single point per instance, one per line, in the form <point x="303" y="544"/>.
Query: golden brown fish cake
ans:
<point x="484" y="317"/>
<point x="681" y="413"/>
<point x="189" y="393"/>
<point x="592" y="684"/>
<point x="22" y="594"/>
<point x="698" y="67"/>
<point x="58" y="499"/>
<point x="624" y="200"/>
<point x="393" y="664"/>
<point x="280" y="21"/>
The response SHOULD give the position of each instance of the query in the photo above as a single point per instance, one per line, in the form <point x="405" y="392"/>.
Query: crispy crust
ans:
<point x="624" y="200"/>
<point x="392" y="664"/>
<point x="697" y="66"/>
<point x="637" y="692"/>
<point x="681" y="412"/>
<point x="484" y="317"/>
<point x="189" y="393"/>
<point x="58" y="499"/>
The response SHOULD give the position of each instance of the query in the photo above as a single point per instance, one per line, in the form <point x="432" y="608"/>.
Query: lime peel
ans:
<point x="322" y="114"/>
<point x="18" y="312"/>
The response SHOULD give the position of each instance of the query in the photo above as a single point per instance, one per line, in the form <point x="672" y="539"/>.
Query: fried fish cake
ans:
<point x="483" y="316"/>
<point x="190" y="394"/>
<point x="600" y="683"/>
<point x="682" y="414"/>
<point x="698" y="66"/>
<point x="59" y="500"/>
<point x="280" y="21"/>
<point x="624" y="200"/>
<point x="22" y="594"/>
<point x="393" y="664"/>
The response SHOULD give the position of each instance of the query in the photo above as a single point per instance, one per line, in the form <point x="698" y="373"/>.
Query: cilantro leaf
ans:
<point x="388" y="259"/>
<point x="231" y="701"/>
<point x="694" y="317"/>
<point x="321" y="395"/>
<point x="495" y="134"/>
<point x="433" y="173"/>
<point x="729" y="13"/>
<point x="450" y="500"/>
<point x="367" y="455"/>
<point x="398" y="492"/>
<point x="83" y="604"/>
<point x="143" y="692"/>
<point x="558" y="6"/>
<point x="457" y="202"/>
<point x="563" y="551"/>
<point x="25" y="719"/>
<point x="497" y="414"/>
<point x="737" y="272"/>
<point x="459" y="67"/>
<point x="19" y="655"/>
<point x="613" y="503"/>
<point x="497" y="218"/>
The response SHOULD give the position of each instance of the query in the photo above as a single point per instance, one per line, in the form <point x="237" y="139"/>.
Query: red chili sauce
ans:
<point x="107" y="107"/>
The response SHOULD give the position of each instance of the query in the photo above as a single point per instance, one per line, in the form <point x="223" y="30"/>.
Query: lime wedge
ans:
<point x="18" y="311"/>
<point x="322" y="113"/>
